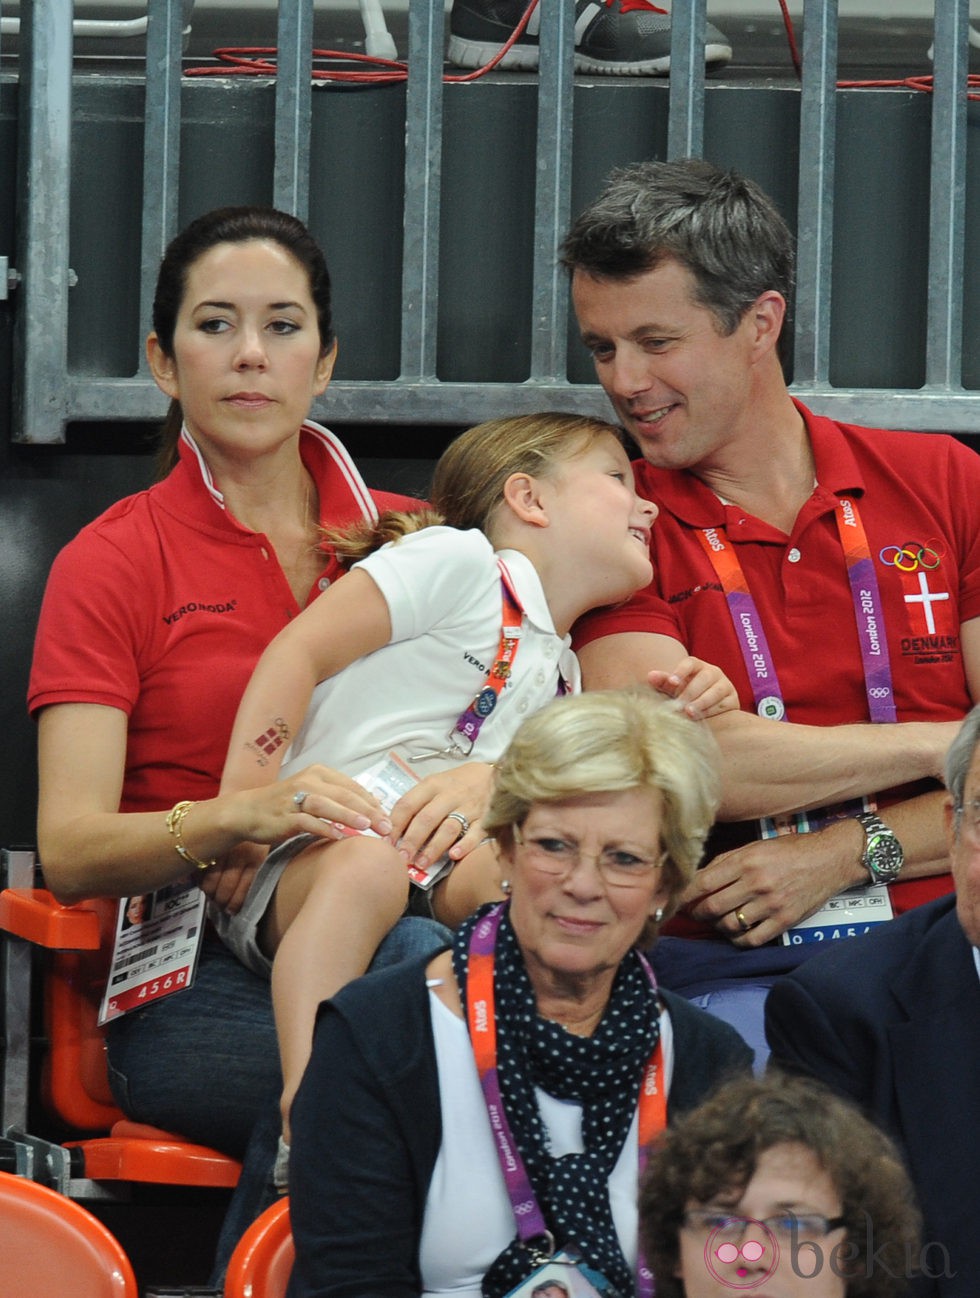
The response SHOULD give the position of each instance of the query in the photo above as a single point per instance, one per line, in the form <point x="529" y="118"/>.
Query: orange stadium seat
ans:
<point x="75" y="1084"/>
<point x="263" y="1260"/>
<point x="53" y="1247"/>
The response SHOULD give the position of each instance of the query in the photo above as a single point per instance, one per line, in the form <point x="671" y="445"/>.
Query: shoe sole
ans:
<point x="524" y="58"/>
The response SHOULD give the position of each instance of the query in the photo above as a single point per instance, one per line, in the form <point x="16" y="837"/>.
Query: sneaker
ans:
<point x="624" y="38"/>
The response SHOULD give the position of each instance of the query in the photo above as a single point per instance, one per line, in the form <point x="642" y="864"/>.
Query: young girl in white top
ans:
<point x="433" y="649"/>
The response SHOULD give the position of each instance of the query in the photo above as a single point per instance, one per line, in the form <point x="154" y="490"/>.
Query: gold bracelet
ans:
<point x="175" y="819"/>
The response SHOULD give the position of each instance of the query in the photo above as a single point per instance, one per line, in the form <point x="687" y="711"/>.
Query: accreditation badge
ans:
<point x="156" y="947"/>
<point x="848" y="914"/>
<point x="388" y="779"/>
<point x="564" y="1276"/>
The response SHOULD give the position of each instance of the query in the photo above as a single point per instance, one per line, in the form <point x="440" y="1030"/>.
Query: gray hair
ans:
<point x="960" y="756"/>
<point x="719" y="224"/>
<point x="610" y="741"/>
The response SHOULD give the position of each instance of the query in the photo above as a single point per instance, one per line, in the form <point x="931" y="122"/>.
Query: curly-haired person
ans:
<point x="777" y="1186"/>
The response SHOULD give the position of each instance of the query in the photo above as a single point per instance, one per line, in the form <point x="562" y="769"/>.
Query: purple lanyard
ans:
<point x="482" y="1022"/>
<point x="865" y="596"/>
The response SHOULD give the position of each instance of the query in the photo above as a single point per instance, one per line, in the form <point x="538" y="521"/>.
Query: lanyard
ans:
<point x="469" y="723"/>
<point x="868" y="617"/>
<point x="482" y="1022"/>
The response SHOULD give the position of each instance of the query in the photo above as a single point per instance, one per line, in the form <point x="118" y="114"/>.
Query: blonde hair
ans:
<point x="611" y="741"/>
<point x="468" y="483"/>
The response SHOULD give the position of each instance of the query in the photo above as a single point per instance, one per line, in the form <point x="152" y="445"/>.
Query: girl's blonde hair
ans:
<point x="468" y="483"/>
<point x="614" y="741"/>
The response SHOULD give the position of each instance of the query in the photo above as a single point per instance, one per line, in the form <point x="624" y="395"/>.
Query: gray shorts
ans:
<point x="240" y="932"/>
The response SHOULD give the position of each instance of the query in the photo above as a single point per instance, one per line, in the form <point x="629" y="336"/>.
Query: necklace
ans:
<point x="300" y="557"/>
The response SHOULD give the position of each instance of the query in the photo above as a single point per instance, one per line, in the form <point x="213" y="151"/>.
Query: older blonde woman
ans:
<point x="474" y="1117"/>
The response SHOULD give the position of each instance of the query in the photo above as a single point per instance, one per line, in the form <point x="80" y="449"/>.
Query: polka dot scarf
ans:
<point x="601" y="1072"/>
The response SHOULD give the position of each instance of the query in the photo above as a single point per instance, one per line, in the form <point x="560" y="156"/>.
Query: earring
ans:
<point x="658" y="914"/>
<point x="505" y="887"/>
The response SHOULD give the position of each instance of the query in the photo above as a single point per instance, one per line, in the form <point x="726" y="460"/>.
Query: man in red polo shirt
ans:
<point x="832" y="571"/>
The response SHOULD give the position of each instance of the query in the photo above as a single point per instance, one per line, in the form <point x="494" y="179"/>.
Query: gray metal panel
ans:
<point x="403" y="402"/>
<point x="442" y="252"/>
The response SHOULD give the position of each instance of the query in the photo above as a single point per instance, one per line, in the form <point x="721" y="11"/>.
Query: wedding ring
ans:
<point x="743" y="923"/>
<point x="300" y="798"/>
<point x="464" y="824"/>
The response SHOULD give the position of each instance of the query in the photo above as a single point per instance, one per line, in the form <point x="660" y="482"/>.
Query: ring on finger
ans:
<point x="743" y="923"/>
<point x="464" y="824"/>
<point x="300" y="798"/>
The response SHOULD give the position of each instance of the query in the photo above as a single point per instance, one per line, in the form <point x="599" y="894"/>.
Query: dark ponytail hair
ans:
<point x="230" y="225"/>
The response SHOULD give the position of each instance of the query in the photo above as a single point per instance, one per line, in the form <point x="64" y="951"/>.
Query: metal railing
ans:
<point x="48" y="394"/>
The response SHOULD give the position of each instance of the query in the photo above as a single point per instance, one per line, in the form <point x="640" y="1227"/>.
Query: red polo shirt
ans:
<point x="162" y="606"/>
<point x="912" y="490"/>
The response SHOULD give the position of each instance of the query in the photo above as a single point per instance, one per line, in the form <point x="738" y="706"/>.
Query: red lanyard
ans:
<point x="466" y="731"/>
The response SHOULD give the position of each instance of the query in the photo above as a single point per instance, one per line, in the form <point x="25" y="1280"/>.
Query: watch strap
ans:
<point x="885" y="871"/>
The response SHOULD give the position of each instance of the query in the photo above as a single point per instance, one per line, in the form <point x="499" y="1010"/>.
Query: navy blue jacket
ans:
<point x="892" y="1020"/>
<point x="366" y="1129"/>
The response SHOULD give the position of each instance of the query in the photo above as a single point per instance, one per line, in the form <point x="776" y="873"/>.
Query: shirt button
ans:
<point x="323" y="583"/>
<point x="794" y="555"/>
<point x="522" y="706"/>
<point x="540" y="678"/>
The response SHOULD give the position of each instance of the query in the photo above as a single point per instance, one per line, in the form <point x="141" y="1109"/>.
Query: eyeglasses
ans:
<point x="784" y="1225"/>
<point x="968" y="818"/>
<point x="618" y="866"/>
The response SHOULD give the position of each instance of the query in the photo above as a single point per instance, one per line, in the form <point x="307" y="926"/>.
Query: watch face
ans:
<point x="884" y="856"/>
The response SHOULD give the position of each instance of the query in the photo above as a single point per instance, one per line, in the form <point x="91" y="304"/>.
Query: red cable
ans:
<point x="794" y="52"/>
<point x="248" y="61"/>
<point x="253" y="61"/>
<point x="918" y="81"/>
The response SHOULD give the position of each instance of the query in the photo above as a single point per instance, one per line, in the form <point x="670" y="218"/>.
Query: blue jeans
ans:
<point x="205" y="1064"/>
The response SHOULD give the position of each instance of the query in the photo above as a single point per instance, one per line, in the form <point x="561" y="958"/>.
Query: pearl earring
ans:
<point x="505" y="887"/>
<point x="658" y="914"/>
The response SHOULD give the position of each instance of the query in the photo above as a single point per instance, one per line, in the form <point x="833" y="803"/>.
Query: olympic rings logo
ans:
<point x="912" y="556"/>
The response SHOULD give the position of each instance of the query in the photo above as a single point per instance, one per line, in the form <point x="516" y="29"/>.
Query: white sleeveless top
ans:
<point x="468" y="1218"/>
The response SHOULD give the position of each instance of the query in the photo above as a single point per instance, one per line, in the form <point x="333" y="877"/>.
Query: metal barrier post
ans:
<point x="815" y="224"/>
<point x="549" y="295"/>
<point x="685" y="123"/>
<point x="294" y="107"/>
<point x="423" y="177"/>
<point x="16" y="871"/>
<point x="161" y="145"/>
<point x="40" y="390"/>
<point x="947" y="196"/>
